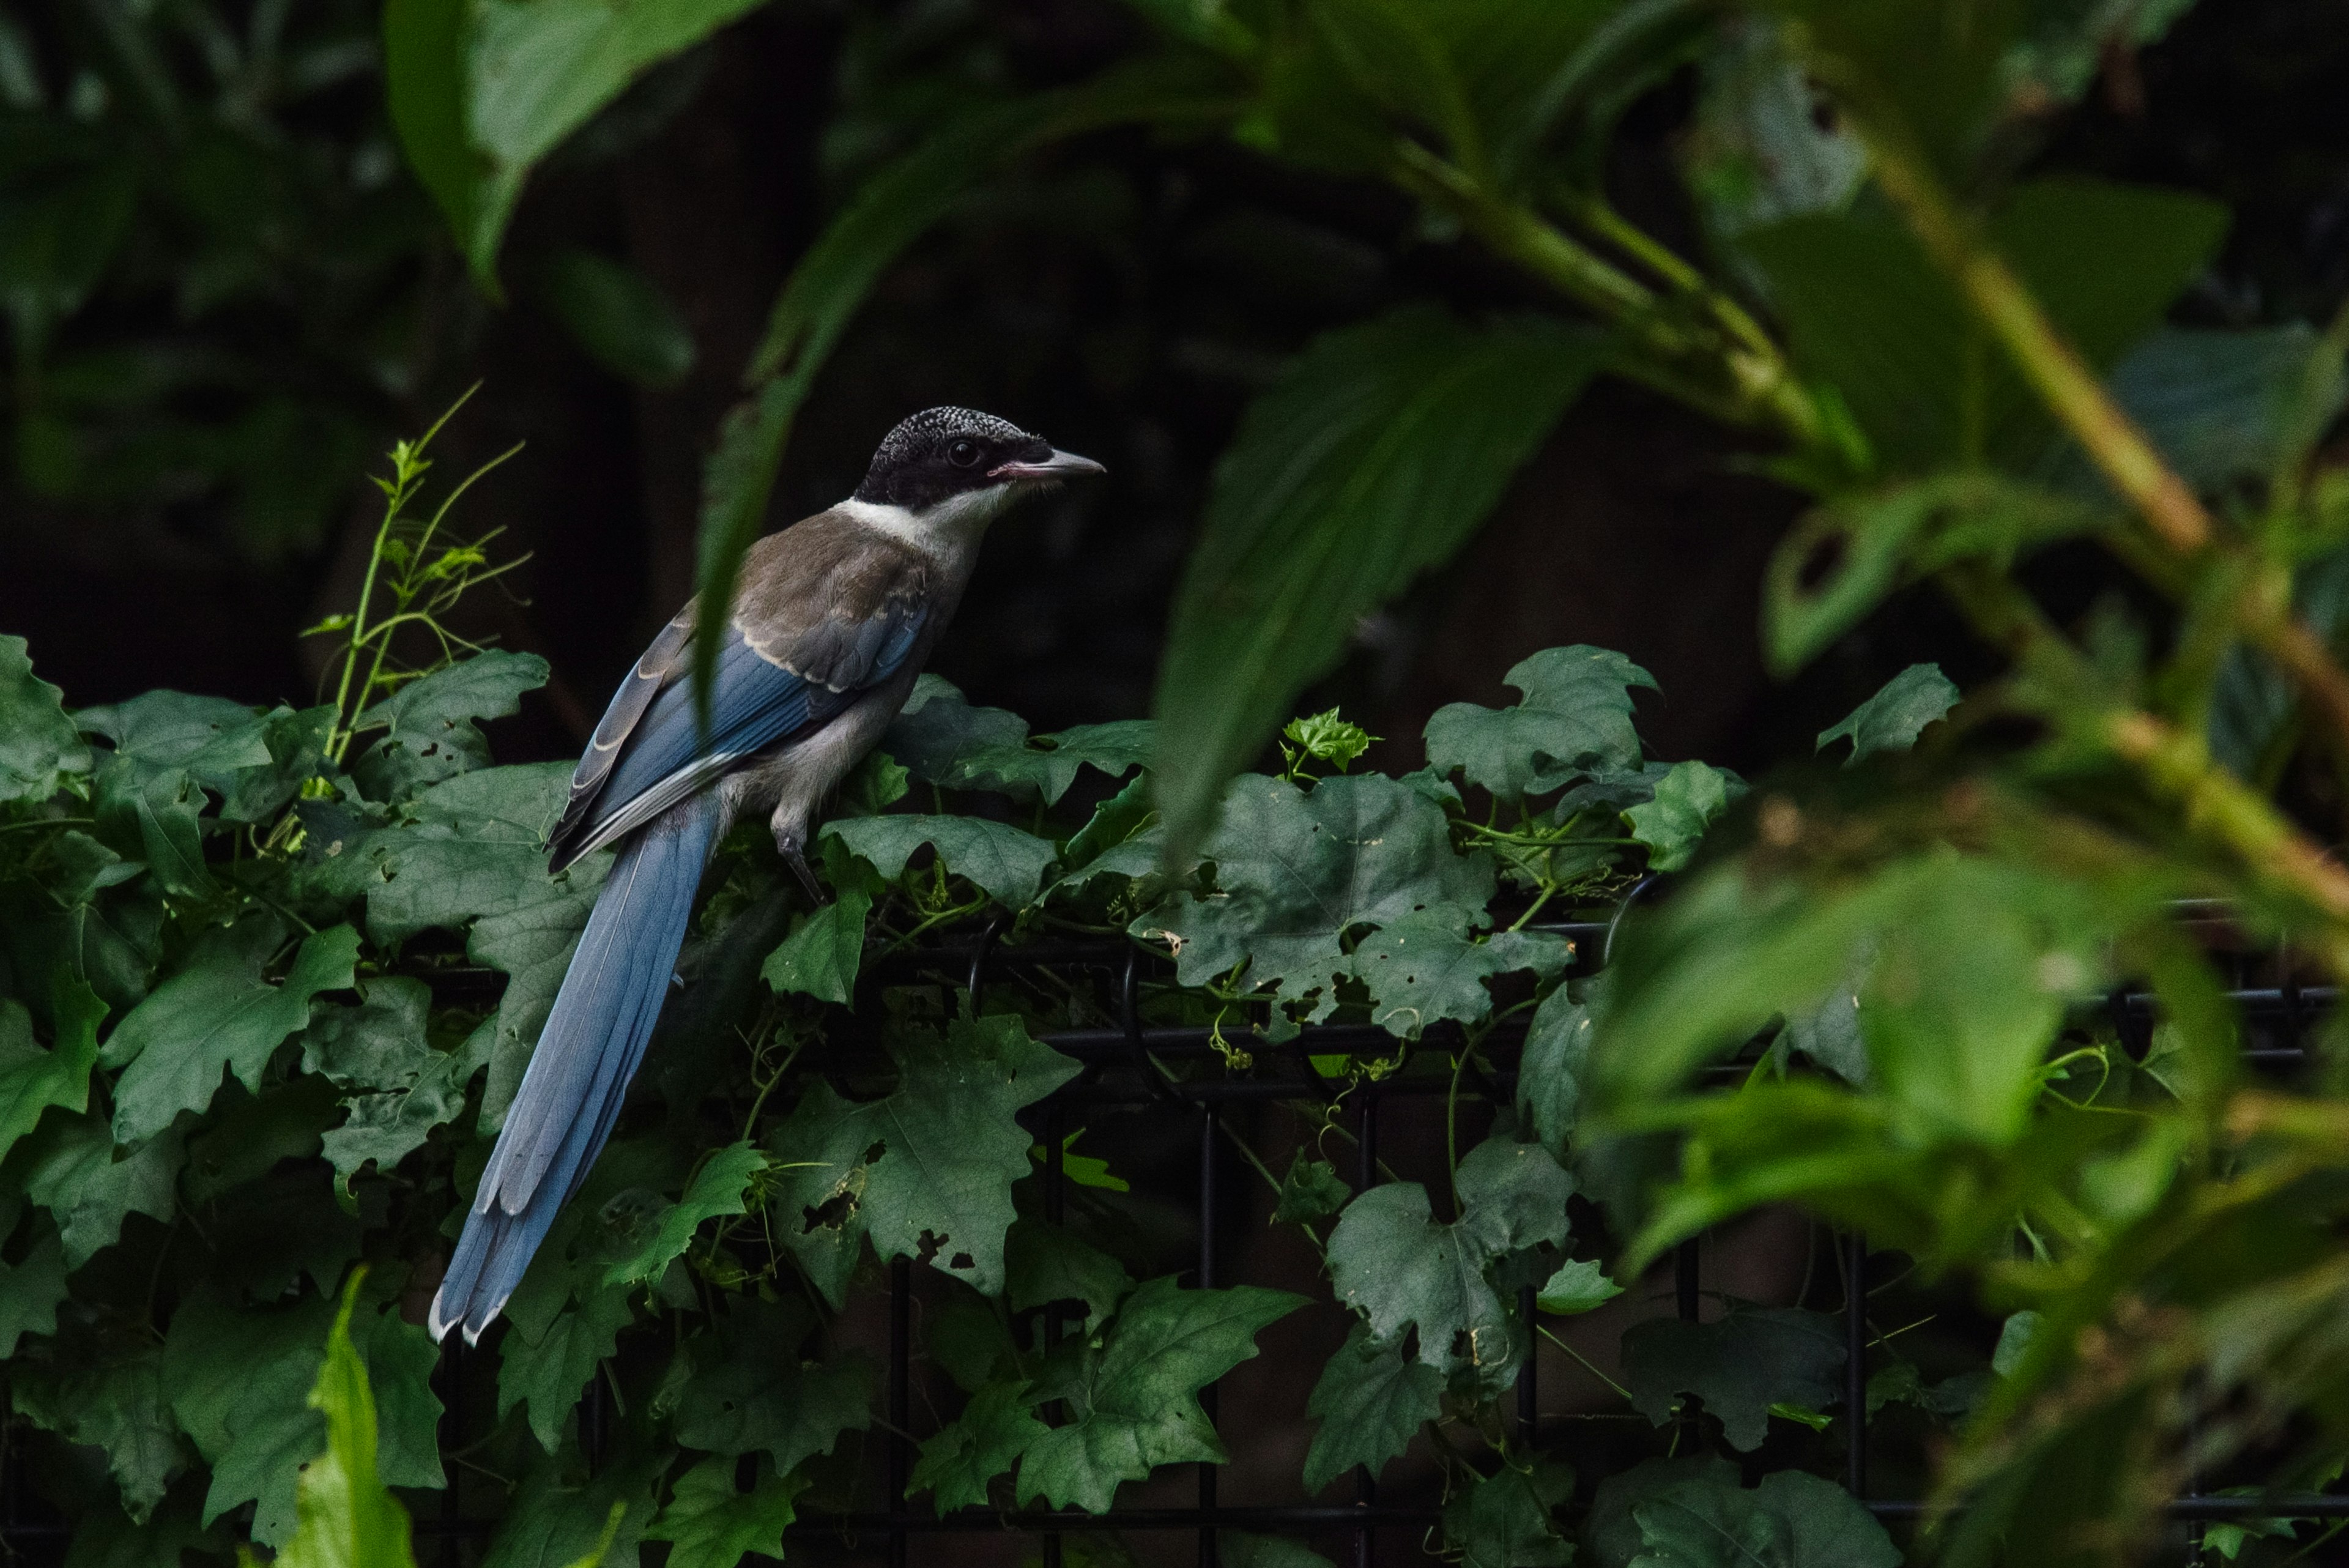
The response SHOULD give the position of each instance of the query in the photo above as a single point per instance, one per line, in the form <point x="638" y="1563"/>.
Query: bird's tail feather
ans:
<point x="579" y="1074"/>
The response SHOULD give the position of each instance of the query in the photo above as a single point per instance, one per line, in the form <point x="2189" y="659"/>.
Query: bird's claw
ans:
<point x="790" y="847"/>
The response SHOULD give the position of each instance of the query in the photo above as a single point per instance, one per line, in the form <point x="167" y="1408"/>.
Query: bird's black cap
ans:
<point x="943" y="453"/>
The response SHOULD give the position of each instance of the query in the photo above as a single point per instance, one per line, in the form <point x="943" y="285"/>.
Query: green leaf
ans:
<point x="719" y="1187"/>
<point x="1327" y="738"/>
<point x="942" y="740"/>
<point x="825" y="951"/>
<point x="1370" y="1403"/>
<point x="750" y="1393"/>
<point x="238" y="1380"/>
<point x="1740" y="1366"/>
<point x="1311" y="1191"/>
<point x="1578" y="1286"/>
<point x="1891" y="721"/>
<point x="210" y="737"/>
<point x="430" y="733"/>
<point x="982" y="1443"/>
<point x="618" y="315"/>
<point x="153" y="814"/>
<point x="545" y="1371"/>
<point x="347" y="1516"/>
<point x="1686" y="800"/>
<point x="32" y="1290"/>
<point x="1045" y="1263"/>
<point x="1372" y="460"/>
<point x="1134" y="1401"/>
<point x="1791" y="1521"/>
<point x="2220" y="405"/>
<point x="999" y="859"/>
<point x="378" y="1044"/>
<point x="424" y="81"/>
<point x="925" y="1172"/>
<point x="1238" y="1549"/>
<point x="33" y="1079"/>
<point x="1295" y="872"/>
<point x="39" y="746"/>
<point x="714" y="1525"/>
<point x="1504" y="1520"/>
<point x="1759" y="152"/>
<point x="1392" y="1261"/>
<point x="114" y="1404"/>
<point x="401" y="1358"/>
<point x="1551" y="1072"/>
<point x="1610" y="1537"/>
<point x="1575" y="720"/>
<point x="1423" y="969"/>
<point x="216" y="1017"/>
<point x="556" y="1522"/>
<point x="74" y="1174"/>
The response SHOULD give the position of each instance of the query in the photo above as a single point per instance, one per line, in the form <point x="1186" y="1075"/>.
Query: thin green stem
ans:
<point x="1587" y="1367"/>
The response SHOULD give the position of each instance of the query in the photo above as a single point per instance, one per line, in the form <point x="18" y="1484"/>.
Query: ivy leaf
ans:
<point x="1393" y="1263"/>
<point x="1504" y="1520"/>
<point x="1311" y="1191"/>
<point x="1551" y="1073"/>
<point x="1002" y="862"/>
<point x="1134" y="1400"/>
<point x="1296" y="871"/>
<point x="825" y="951"/>
<point x="1793" y="1520"/>
<point x="345" y="1516"/>
<point x="1044" y="1263"/>
<point x="1422" y="969"/>
<point x="1370" y="1403"/>
<point x="718" y="1188"/>
<point x="216" y="1017"/>
<point x="1740" y="1367"/>
<point x="1891" y="721"/>
<point x="942" y="739"/>
<point x="113" y="1403"/>
<point x="1574" y="719"/>
<point x="1686" y="801"/>
<point x="749" y="1391"/>
<point x="969" y="1452"/>
<point x="39" y="746"/>
<point x="33" y="1079"/>
<point x="32" y="1290"/>
<point x="429" y="721"/>
<point x="1578" y="1286"/>
<point x="925" y="1172"/>
<point x="1372" y="460"/>
<point x="714" y="1525"/>
<point x="74" y="1175"/>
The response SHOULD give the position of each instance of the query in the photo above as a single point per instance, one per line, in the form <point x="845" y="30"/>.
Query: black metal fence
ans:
<point x="1128" y="1065"/>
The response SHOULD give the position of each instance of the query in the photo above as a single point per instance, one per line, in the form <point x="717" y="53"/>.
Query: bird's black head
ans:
<point x="940" y="453"/>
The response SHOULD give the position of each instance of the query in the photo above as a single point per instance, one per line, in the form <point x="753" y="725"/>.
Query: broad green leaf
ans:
<point x="206" y="1020"/>
<point x="1135" y="1402"/>
<point x="925" y="1172"/>
<point x="424" y="45"/>
<point x="1918" y="697"/>
<point x="1551" y="1073"/>
<point x="32" y="1078"/>
<point x="982" y="1443"/>
<point x="555" y="1522"/>
<point x="1239" y="1548"/>
<point x="545" y="1371"/>
<point x="401" y="1359"/>
<point x="1739" y="1366"/>
<point x="113" y="1403"/>
<point x="1421" y="970"/>
<point x="429" y="723"/>
<point x="1296" y="871"/>
<point x="210" y="737"/>
<point x="347" y="1516"/>
<point x="378" y="1044"/>
<point x="1371" y="1402"/>
<point x="1393" y="1262"/>
<point x="32" y="1290"/>
<point x="1045" y="1263"/>
<point x="942" y="740"/>
<point x="1372" y="460"/>
<point x="1575" y="720"/>
<point x="719" y="1187"/>
<point x="152" y="813"/>
<point x="2221" y="405"/>
<point x="1578" y="1286"/>
<point x="1610" y="1537"/>
<point x="382" y="1129"/>
<point x="713" y="1525"/>
<point x="1687" y="799"/>
<point x="238" y="1379"/>
<point x="1115" y="824"/>
<point x="825" y="951"/>
<point x="74" y="1174"/>
<point x="1504" y="1520"/>
<point x="39" y="746"/>
<point x="1791" y="1521"/>
<point x="618" y="315"/>
<point x="1003" y="862"/>
<point x="749" y="1392"/>
<point x="1311" y="1191"/>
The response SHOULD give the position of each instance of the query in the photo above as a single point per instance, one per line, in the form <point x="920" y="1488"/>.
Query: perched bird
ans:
<point x="833" y="620"/>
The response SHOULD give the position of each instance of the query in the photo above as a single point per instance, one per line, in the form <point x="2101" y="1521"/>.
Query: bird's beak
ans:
<point x="1059" y="466"/>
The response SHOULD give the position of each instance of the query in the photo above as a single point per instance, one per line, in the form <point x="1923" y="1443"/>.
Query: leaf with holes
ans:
<point x="1740" y="1367"/>
<point x="1424" y="970"/>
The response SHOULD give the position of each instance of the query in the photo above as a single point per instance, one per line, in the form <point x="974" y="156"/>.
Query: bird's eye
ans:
<point x="963" y="453"/>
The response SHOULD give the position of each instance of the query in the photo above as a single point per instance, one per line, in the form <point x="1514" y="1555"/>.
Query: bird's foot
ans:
<point x="788" y="844"/>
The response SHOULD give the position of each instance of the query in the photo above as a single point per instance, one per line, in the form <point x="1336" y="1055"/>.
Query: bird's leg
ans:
<point x="787" y="843"/>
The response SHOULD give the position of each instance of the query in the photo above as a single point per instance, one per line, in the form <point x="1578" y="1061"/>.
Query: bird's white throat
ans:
<point x="948" y="530"/>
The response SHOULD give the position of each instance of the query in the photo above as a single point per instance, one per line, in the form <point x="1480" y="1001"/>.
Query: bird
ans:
<point x="832" y="620"/>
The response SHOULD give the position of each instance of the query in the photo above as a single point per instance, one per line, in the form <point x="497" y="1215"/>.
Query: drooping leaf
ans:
<point x="39" y="746"/>
<point x="714" y="1525"/>
<point x="825" y="951"/>
<point x="1687" y="799"/>
<point x="1504" y="1520"/>
<point x="1373" y="460"/>
<point x="1739" y="1366"/>
<point x="1423" y="969"/>
<point x="32" y="1290"/>
<point x="719" y="1187"/>
<point x="999" y="859"/>
<point x="347" y="1516"/>
<point x="1575" y="720"/>
<point x="545" y="1371"/>
<point x="1134" y="1400"/>
<point x="925" y="1172"/>
<point x="1918" y="697"/>
<point x="982" y="1443"/>
<point x="1371" y="1402"/>
<point x="1551" y="1072"/>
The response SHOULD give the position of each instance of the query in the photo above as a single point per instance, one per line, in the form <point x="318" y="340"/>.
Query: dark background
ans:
<point x="274" y="317"/>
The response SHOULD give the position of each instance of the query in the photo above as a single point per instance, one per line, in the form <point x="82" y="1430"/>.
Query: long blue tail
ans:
<point x="593" y="1039"/>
